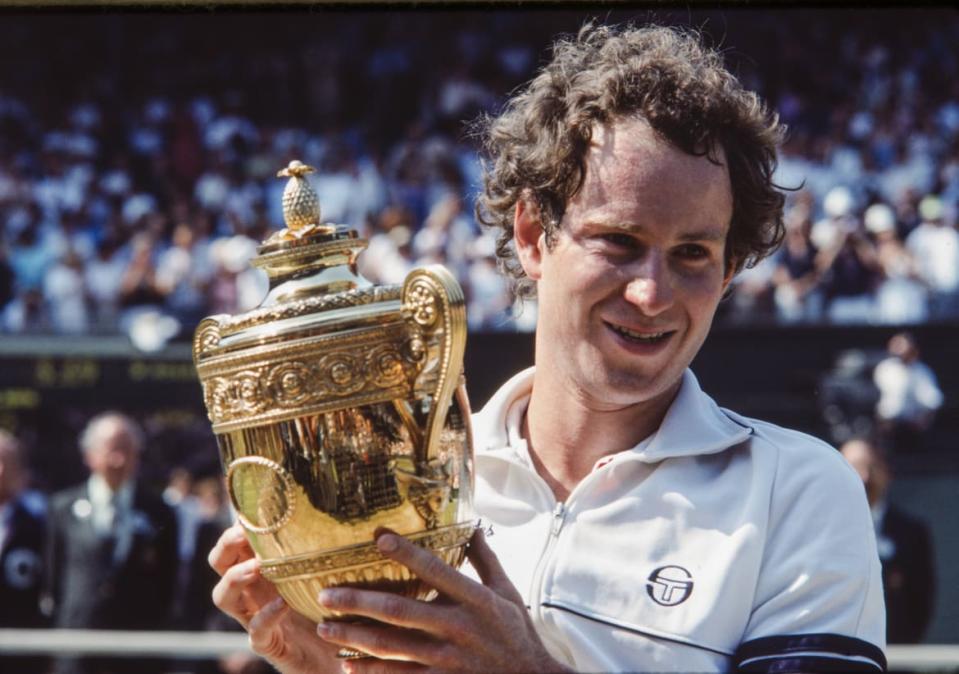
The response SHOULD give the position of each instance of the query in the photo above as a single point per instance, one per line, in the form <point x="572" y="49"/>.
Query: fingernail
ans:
<point x="328" y="597"/>
<point x="387" y="543"/>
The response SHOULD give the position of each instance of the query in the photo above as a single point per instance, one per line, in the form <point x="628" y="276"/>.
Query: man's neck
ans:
<point x="567" y="435"/>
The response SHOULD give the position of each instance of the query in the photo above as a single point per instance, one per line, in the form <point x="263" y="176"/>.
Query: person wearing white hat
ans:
<point x="848" y="263"/>
<point x="935" y="246"/>
<point x="901" y="296"/>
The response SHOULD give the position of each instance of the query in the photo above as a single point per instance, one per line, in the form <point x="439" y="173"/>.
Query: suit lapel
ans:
<point x="80" y="517"/>
<point x="128" y="528"/>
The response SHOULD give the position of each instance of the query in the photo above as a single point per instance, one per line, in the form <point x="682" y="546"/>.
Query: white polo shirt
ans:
<point x="719" y="543"/>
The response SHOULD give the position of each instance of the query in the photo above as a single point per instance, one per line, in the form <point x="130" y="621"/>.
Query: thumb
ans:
<point x="266" y="635"/>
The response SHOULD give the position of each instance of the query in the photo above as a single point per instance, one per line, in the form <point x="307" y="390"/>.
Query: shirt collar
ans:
<point x="694" y="425"/>
<point x="101" y="494"/>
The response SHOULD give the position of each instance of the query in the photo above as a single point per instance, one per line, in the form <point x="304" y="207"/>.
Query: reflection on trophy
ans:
<point x="339" y="408"/>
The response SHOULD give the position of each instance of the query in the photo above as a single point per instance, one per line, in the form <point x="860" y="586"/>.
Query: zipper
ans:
<point x="557" y="519"/>
<point x="559" y="516"/>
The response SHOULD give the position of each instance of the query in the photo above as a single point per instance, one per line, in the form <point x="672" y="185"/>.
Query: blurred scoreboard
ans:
<point x="32" y="383"/>
<point x="50" y="387"/>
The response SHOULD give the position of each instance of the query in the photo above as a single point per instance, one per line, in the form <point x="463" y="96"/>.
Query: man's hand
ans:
<point x="282" y="636"/>
<point x="470" y="628"/>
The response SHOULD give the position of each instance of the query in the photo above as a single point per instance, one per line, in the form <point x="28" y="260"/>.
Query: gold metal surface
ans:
<point x="339" y="409"/>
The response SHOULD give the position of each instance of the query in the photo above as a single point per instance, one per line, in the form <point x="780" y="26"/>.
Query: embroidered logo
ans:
<point x="21" y="568"/>
<point x="669" y="585"/>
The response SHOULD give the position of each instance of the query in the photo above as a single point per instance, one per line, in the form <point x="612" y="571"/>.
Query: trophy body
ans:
<point x="339" y="409"/>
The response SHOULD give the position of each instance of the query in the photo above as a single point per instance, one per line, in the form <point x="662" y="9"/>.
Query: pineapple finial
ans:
<point x="301" y="206"/>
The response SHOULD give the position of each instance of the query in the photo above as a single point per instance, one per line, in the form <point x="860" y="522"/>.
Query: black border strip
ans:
<point x="826" y="643"/>
<point x="634" y="630"/>
<point x="806" y="664"/>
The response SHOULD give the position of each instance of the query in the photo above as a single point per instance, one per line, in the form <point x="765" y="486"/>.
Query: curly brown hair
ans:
<point x="537" y="146"/>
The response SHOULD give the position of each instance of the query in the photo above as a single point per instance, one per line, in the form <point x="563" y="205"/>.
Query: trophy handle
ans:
<point x="207" y="336"/>
<point x="433" y="303"/>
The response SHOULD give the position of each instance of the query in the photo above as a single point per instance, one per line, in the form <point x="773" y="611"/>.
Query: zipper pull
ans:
<point x="559" y="515"/>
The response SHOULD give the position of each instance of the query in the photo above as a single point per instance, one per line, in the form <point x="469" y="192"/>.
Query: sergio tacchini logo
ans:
<point x="669" y="585"/>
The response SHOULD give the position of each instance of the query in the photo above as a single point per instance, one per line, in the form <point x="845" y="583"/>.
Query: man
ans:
<point x="638" y="527"/>
<point x="21" y="554"/>
<point x="112" y="549"/>
<point x="909" y="394"/>
<point x="905" y="548"/>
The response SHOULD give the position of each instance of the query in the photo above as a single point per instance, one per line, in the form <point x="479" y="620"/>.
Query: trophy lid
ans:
<point x="314" y="284"/>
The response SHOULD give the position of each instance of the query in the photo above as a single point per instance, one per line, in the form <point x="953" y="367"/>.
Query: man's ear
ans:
<point x="529" y="237"/>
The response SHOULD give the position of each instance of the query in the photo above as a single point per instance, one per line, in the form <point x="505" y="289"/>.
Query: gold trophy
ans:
<point x="339" y="408"/>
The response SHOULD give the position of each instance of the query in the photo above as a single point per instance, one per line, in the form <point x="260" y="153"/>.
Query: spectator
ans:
<point x="905" y="548"/>
<point x="182" y="276"/>
<point x="66" y="295"/>
<point x="796" y="276"/>
<point x="138" y="286"/>
<point x="388" y="258"/>
<point x="909" y="394"/>
<point x="935" y="246"/>
<point x="103" y="276"/>
<point x="112" y="547"/>
<point x="850" y="274"/>
<point x="901" y="297"/>
<point x="21" y="553"/>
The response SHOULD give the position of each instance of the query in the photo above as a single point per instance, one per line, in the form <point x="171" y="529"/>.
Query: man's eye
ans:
<point x="620" y="240"/>
<point x="692" y="251"/>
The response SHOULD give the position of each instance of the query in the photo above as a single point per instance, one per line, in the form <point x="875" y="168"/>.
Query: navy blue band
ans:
<point x="808" y="653"/>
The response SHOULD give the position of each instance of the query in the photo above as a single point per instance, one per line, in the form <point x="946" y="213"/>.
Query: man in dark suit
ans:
<point x="112" y="548"/>
<point x="21" y="554"/>
<point x="905" y="548"/>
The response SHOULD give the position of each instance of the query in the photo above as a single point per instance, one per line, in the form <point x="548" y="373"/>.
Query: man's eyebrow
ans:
<point x="706" y="234"/>
<point x="711" y="234"/>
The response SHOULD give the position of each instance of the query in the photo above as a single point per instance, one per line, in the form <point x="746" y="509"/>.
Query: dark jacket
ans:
<point x="908" y="577"/>
<point x="91" y="587"/>
<point x="21" y="569"/>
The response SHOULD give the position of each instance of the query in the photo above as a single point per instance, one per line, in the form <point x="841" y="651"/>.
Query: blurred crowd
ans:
<point x="133" y="192"/>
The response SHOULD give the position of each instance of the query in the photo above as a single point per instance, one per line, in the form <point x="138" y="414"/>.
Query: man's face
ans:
<point x="628" y="291"/>
<point x="114" y="454"/>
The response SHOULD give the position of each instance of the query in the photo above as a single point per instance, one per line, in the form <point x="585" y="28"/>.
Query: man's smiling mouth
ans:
<point x="640" y="337"/>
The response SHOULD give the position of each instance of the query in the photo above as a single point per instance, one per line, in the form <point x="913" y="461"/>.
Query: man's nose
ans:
<point x="117" y="459"/>
<point x="651" y="285"/>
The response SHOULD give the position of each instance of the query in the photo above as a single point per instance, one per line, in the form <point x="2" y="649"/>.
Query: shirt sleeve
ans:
<point x="928" y="392"/>
<point x="819" y="604"/>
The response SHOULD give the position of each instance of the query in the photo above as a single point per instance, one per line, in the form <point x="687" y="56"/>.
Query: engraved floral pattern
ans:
<point x="385" y="366"/>
<point x="421" y="303"/>
<point x="342" y="373"/>
<point x="290" y="383"/>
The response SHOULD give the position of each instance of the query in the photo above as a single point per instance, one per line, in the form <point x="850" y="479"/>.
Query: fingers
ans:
<point x="430" y="568"/>
<point x="265" y="637"/>
<point x="242" y="591"/>
<point x="382" y="641"/>
<point x="386" y="607"/>
<point x="490" y="571"/>
<point x="231" y="548"/>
